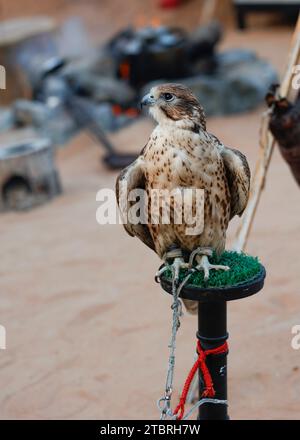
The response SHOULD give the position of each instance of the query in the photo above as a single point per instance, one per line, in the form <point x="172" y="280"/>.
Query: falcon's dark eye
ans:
<point x="168" y="96"/>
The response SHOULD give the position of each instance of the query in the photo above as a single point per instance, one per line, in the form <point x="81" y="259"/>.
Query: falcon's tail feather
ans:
<point x="191" y="306"/>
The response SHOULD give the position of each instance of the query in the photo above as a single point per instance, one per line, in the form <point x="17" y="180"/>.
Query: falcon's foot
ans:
<point x="177" y="264"/>
<point x="201" y="256"/>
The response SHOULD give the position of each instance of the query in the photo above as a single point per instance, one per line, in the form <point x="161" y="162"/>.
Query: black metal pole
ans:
<point x="212" y="332"/>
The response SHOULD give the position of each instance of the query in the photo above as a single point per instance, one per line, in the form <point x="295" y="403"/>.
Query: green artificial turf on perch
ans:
<point x="243" y="268"/>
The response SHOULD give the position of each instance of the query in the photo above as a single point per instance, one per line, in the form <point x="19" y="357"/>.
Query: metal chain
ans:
<point x="164" y="403"/>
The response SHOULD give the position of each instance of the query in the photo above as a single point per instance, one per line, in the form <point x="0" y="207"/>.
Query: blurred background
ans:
<point x="87" y="328"/>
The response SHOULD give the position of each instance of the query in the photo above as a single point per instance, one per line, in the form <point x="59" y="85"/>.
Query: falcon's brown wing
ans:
<point x="238" y="177"/>
<point x="131" y="178"/>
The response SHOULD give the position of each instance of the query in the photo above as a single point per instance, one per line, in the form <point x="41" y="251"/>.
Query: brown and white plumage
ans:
<point x="182" y="154"/>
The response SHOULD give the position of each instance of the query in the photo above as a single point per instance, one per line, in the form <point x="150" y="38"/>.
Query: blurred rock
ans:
<point x="7" y="119"/>
<point x="30" y="112"/>
<point x="102" y="89"/>
<point x="51" y="121"/>
<point x="247" y="84"/>
<point x="93" y="116"/>
<point x="230" y="59"/>
<point x="239" y="84"/>
<point x="53" y="86"/>
<point x="108" y="120"/>
<point x="98" y="61"/>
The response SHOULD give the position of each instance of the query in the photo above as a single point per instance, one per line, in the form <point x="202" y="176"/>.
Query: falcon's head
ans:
<point x="175" y="104"/>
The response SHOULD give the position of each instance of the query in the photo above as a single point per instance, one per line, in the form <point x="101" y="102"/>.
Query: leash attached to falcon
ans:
<point x="180" y="155"/>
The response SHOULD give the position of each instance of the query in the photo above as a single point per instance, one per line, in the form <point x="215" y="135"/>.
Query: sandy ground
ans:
<point x="87" y="327"/>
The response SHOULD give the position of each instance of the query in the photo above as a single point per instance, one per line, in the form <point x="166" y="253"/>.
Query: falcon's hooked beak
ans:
<point x="147" y="100"/>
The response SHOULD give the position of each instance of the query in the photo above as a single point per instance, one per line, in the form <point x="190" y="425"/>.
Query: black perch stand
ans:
<point x="212" y="332"/>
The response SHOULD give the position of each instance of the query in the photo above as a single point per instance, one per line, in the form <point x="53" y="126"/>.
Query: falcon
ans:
<point x="182" y="154"/>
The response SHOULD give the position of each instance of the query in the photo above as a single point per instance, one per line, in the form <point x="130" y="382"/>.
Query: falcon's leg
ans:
<point x="201" y="255"/>
<point x="204" y="264"/>
<point x="177" y="264"/>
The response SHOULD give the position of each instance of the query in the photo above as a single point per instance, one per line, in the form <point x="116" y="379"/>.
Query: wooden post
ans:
<point x="267" y="147"/>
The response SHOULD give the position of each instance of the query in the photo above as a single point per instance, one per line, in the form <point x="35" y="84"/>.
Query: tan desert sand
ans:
<point x="88" y="328"/>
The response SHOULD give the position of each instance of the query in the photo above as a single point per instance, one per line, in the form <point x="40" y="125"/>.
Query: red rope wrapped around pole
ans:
<point x="200" y="363"/>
